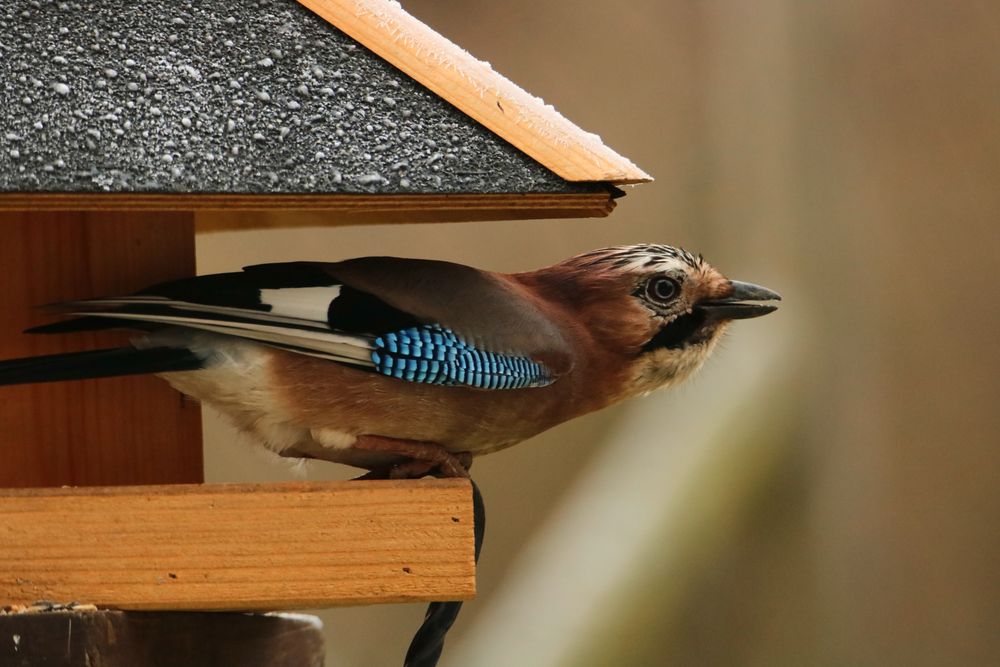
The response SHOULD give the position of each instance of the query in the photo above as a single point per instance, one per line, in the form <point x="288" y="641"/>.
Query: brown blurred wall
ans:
<point x="848" y="154"/>
<point x="877" y="543"/>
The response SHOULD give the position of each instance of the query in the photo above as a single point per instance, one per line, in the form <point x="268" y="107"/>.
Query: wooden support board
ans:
<point x="238" y="546"/>
<point x="130" y="430"/>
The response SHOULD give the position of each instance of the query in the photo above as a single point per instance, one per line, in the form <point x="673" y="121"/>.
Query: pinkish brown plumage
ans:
<point x="374" y="361"/>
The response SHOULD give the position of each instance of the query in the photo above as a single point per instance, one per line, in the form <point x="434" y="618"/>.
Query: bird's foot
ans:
<point x="423" y="458"/>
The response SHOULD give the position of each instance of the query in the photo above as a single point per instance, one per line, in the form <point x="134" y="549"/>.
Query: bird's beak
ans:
<point x="734" y="306"/>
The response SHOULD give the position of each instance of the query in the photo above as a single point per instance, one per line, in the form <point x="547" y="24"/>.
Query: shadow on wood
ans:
<point x="159" y="639"/>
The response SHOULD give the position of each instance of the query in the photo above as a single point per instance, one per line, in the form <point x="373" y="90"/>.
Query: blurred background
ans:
<point x="827" y="491"/>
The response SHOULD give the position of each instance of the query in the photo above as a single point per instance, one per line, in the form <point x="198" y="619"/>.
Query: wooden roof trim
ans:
<point x="331" y="208"/>
<point x="474" y="88"/>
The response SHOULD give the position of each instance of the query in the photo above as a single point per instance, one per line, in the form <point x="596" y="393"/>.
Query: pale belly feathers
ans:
<point x="243" y="381"/>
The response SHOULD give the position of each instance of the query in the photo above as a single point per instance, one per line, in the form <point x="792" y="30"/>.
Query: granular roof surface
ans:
<point x="227" y="96"/>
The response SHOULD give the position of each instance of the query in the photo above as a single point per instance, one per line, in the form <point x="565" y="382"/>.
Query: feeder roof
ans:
<point x="272" y="97"/>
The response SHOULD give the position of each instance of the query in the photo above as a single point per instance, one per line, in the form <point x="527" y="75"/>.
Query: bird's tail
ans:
<point x="97" y="364"/>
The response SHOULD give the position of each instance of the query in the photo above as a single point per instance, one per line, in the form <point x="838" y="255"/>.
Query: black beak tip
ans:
<point x="746" y="311"/>
<point x="749" y="292"/>
<point x="736" y="306"/>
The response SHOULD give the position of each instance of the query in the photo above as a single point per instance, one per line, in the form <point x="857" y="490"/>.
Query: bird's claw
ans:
<point x="423" y="458"/>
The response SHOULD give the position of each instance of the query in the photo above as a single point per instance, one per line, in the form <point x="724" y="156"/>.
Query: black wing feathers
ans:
<point x="242" y="290"/>
<point x="97" y="363"/>
<point x="339" y="312"/>
<point x="354" y="311"/>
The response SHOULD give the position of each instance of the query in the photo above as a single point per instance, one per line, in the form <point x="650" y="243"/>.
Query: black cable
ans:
<point x="428" y="642"/>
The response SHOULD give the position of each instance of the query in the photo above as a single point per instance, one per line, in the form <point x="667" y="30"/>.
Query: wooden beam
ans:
<point x="475" y="89"/>
<point x="130" y="430"/>
<point x="75" y="638"/>
<point x="239" y="546"/>
<point x="335" y="208"/>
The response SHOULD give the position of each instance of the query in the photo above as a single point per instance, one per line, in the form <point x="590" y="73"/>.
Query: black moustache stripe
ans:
<point x="679" y="333"/>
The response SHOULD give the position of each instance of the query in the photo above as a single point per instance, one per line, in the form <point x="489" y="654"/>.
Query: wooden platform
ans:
<point x="238" y="546"/>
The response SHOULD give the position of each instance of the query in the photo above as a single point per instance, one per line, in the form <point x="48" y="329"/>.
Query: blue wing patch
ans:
<point x="434" y="355"/>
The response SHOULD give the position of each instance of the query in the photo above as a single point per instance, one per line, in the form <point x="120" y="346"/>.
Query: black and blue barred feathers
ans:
<point x="434" y="355"/>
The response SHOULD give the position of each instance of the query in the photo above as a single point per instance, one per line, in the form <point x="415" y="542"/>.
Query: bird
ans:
<point x="406" y="367"/>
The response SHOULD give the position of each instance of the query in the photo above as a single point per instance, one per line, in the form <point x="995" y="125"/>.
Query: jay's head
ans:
<point x="661" y="307"/>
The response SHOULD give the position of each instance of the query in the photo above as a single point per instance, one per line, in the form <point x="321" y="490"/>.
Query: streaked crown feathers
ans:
<point x="643" y="256"/>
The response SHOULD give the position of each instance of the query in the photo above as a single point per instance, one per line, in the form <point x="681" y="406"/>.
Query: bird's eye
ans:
<point x="662" y="290"/>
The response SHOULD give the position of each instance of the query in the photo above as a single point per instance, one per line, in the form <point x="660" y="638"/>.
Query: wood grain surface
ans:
<point x="233" y="546"/>
<point x="134" y="430"/>
<point x="333" y="209"/>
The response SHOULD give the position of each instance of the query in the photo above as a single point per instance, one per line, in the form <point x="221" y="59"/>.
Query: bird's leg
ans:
<point x="423" y="457"/>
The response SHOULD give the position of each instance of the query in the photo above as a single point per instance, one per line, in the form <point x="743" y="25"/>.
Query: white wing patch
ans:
<point x="307" y="303"/>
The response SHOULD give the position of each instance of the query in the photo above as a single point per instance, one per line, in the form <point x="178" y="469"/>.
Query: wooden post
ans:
<point x="134" y="430"/>
<point x="71" y="638"/>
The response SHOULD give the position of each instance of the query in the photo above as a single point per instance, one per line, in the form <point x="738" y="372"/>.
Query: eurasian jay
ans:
<point x="403" y="366"/>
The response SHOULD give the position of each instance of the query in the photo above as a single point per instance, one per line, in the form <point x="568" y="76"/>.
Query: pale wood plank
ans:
<point x="238" y="546"/>
<point x="475" y="89"/>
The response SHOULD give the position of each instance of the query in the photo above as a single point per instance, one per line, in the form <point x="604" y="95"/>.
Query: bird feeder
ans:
<point x="120" y="122"/>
